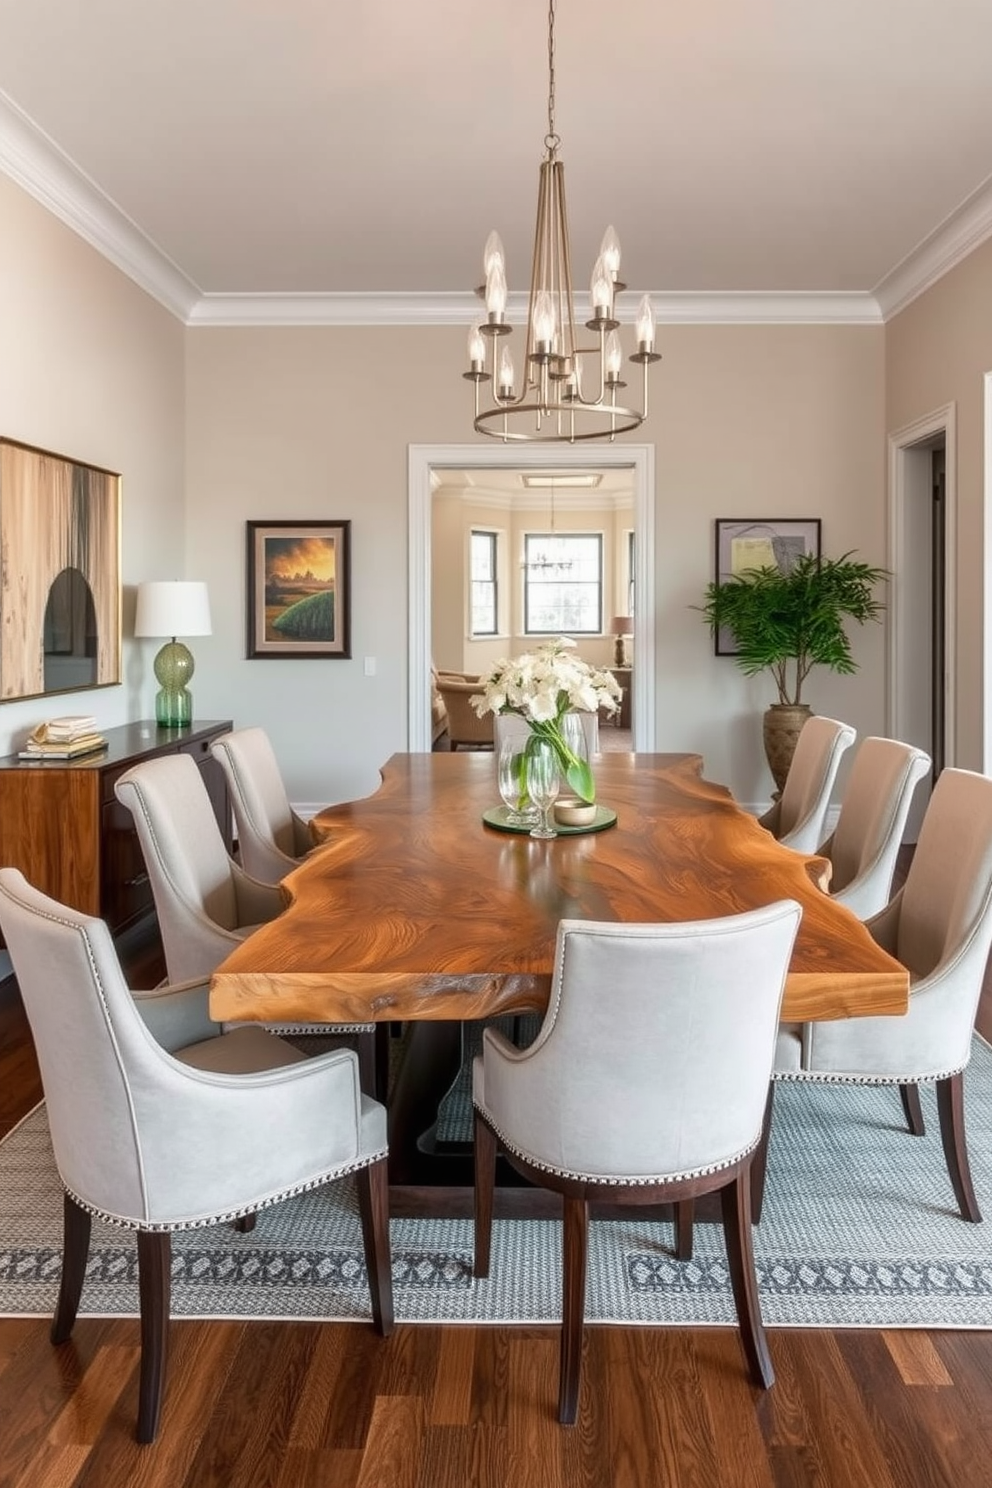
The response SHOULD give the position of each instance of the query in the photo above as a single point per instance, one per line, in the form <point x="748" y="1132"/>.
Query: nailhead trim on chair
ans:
<point x="120" y="1223"/>
<point x="828" y="1077"/>
<point x="614" y="1180"/>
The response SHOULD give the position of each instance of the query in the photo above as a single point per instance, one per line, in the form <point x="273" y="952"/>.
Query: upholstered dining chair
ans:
<point x="647" y="1083"/>
<point x="512" y="726"/>
<point x="205" y="902"/>
<point x="797" y="818"/>
<point x="272" y="838"/>
<point x="939" y="925"/>
<point x="873" y="812"/>
<point x="160" y="1122"/>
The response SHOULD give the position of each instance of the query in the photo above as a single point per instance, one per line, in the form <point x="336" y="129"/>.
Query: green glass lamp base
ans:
<point x="173" y="669"/>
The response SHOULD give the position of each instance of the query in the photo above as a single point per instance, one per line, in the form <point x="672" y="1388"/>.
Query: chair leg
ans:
<point x="373" y="1205"/>
<point x="573" y="1306"/>
<point x="759" y="1162"/>
<point x="485" y="1183"/>
<point x="244" y="1224"/>
<point x="735" y="1202"/>
<point x="950" y="1108"/>
<point x="913" y="1111"/>
<point x="154" y="1291"/>
<point x="684" y="1211"/>
<point x="383" y="1032"/>
<point x="76" y="1226"/>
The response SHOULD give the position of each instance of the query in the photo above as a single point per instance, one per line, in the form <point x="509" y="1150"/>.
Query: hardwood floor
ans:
<point x="296" y="1405"/>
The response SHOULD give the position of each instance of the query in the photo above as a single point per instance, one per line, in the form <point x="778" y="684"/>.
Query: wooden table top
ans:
<point x="413" y="908"/>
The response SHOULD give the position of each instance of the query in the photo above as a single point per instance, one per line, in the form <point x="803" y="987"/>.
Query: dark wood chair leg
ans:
<point x="684" y="1211"/>
<point x="759" y="1162"/>
<point x="950" y="1109"/>
<point x="381" y="1037"/>
<point x="245" y="1224"/>
<point x="735" y="1201"/>
<point x="373" y="1205"/>
<point x="155" y="1293"/>
<point x="573" y="1306"/>
<point x="913" y="1111"/>
<point x="76" y="1226"/>
<point x="366" y="1049"/>
<point x="485" y="1184"/>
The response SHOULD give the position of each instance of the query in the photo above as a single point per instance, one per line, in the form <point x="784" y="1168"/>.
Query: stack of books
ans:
<point x="63" y="738"/>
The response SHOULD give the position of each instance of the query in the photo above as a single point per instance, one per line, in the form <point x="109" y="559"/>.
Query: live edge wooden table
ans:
<point x="411" y="909"/>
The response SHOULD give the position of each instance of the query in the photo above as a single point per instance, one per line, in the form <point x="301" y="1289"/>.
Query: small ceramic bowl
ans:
<point x="570" y="811"/>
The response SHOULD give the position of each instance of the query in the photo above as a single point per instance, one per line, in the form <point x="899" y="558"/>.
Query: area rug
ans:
<point x="859" y="1230"/>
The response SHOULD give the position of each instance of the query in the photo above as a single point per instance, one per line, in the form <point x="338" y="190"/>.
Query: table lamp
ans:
<point x="623" y="625"/>
<point x="173" y="607"/>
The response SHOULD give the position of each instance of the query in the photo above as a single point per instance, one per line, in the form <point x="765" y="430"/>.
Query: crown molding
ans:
<point x="461" y="309"/>
<point x="966" y="229"/>
<point x="36" y="163"/>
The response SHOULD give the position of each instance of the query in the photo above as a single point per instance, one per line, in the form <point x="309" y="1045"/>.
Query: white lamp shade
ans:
<point x="172" y="607"/>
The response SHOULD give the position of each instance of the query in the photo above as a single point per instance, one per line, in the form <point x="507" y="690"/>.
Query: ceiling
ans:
<point x="250" y="148"/>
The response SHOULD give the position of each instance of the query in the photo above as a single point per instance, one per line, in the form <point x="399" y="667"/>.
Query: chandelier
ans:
<point x="566" y="392"/>
<point x="541" y="562"/>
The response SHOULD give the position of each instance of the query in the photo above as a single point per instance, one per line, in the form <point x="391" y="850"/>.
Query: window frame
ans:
<point x="563" y="629"/>
<point x="492" y="538"/>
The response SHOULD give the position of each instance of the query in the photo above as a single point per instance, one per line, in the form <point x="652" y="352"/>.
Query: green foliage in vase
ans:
<point x="787" y="622"/>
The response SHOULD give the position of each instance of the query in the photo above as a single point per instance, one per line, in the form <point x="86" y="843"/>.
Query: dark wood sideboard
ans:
<point x="63" y="827"/>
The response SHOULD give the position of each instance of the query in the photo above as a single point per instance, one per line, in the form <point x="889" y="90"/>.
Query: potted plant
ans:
<point x="787" y="621"/>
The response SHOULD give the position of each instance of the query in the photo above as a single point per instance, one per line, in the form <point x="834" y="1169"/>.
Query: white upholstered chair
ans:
<point x="797" y="818"/>
<point x="647" y="1084"/>
<point x="512" y="726"/>
<point x="272" y="838"/>
<point x="873" y="811"/>
<point x="161" y="1122"/>
<point x="205" y="902"/>
<point x="939" y="925"/>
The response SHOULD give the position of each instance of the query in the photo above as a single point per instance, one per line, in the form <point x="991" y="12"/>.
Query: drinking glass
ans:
<point x="512" y="776"/>
<point x="542" y="785"/>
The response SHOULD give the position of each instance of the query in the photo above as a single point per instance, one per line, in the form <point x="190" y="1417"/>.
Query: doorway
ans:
<point x="426" y="469"/>
<point x="922" y="510"/>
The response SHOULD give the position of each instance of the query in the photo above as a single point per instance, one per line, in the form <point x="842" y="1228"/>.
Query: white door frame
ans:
<point x="928" y="427"/>
<point x="427" y="458"/>
<point x="987" y="581"/>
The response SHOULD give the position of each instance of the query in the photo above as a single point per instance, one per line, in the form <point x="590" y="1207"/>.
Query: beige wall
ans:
<point x="91" y="367"/>
<point x="747" y="421"/>
<point x="937" y="352"/>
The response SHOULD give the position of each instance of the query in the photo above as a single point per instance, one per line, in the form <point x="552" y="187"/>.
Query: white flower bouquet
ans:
<point x="541" y="687"/>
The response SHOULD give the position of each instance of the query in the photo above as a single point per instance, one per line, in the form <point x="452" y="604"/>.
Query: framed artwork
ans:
<point x="60" y="581"/>
<point x="760" y="542"/>
<point x="299" y="589"/>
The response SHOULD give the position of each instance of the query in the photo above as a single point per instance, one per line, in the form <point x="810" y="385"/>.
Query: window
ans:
<point x="563" y="583"/>
<point x="484" y="584"/>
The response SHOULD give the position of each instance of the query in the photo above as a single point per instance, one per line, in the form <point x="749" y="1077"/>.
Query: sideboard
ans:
<point x="63" y="827"/>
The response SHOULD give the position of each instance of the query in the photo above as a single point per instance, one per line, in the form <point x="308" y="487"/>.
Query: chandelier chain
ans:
<point x="551" y="139"/>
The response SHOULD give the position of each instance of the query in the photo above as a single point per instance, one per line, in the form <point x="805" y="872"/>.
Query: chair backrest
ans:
<point x="184" y="852"/>
<point x="873" y="813"/>
<point x="806" y="796"/>
<point x="512" y="726"/>
<point x="945" y="907"/>
<point x="262" y="813"/>
<point x="655" y="1054"/>
<point x="100" y="1067"/>
<point x="464" y="724"/>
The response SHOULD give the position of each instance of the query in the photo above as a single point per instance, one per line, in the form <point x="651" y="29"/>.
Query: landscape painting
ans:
<point x="299" y="596"/>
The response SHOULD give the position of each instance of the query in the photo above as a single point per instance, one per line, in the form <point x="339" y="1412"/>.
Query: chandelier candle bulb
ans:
<point x="476" y="354"/>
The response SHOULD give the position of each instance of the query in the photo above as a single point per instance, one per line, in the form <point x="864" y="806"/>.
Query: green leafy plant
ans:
<point x="787" y="622"/>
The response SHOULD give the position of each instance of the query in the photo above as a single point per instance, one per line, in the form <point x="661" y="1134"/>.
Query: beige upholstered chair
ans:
<point x="465" y="727"/>
<point x="206" y="904"/>
<point x="271" y="837"/>
<point x="873" y="812"/>
<point x="161" y="1122"/>
<point x="797" y="818"/>
<point x="647" y="1083"/>
<point x="511" y="725"/>
<point x="939" y="925"/>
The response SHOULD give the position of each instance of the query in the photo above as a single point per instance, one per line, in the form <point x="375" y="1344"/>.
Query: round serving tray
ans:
<point x="496" y="817"/>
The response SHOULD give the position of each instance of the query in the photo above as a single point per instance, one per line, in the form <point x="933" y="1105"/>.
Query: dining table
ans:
<point x="413" y="909"/>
